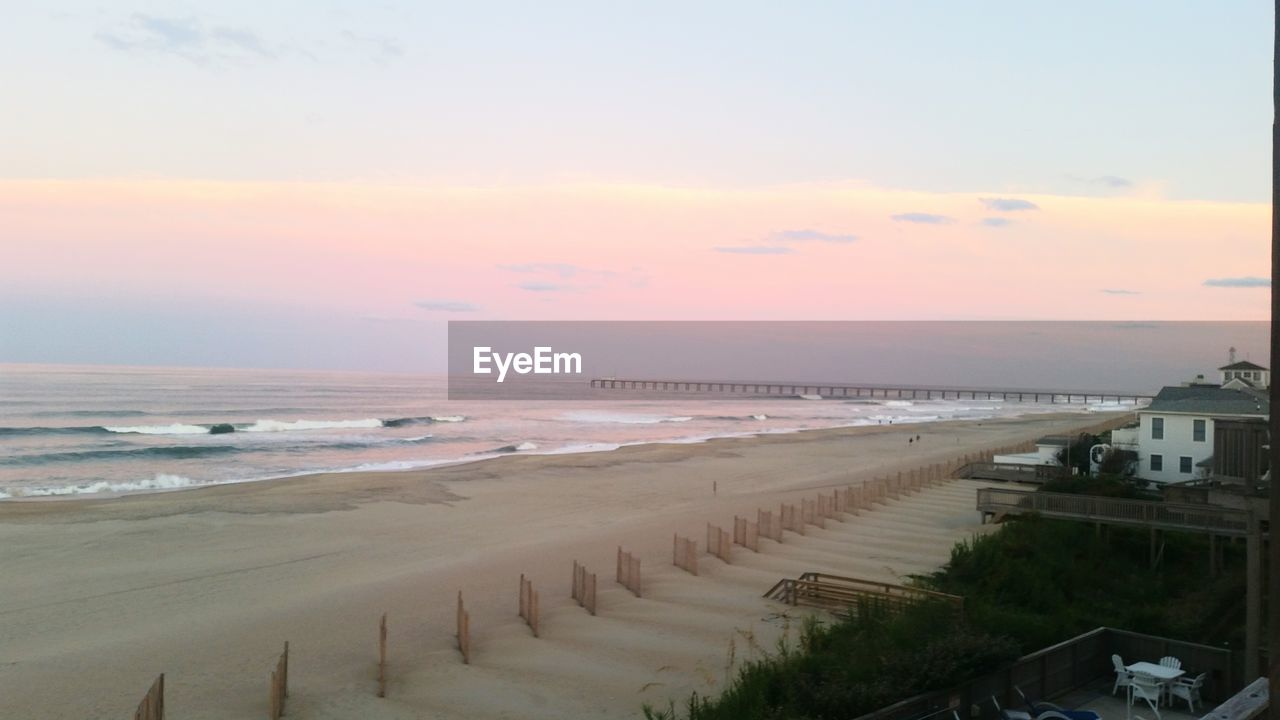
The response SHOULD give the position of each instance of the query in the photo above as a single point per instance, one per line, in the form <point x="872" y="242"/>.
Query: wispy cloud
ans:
<point x="1120" y="291"/>
<point x="997" y="222"/>
<point x="1008" y="204"/>
<point x="1239" y="282"/>
<point x="379" y="48"/>
<point x="754" y="249"/>
<point x="454" y="306"/>
<point x="564" y="270"/>
<point x="187" y="38"/>
<point x="923" y="218"/>
<point x="793" y="236"/>
<point x="1114" y="182"/>
<point x="545" y="287"/>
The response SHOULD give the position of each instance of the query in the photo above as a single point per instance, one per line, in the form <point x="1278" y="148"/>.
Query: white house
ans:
<point x="1175" y="432"/>
<point x="1046" y="453"/>
<point x="1245" y="375"/>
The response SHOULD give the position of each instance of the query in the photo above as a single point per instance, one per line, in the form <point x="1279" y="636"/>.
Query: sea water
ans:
<point x="83" y="430"/>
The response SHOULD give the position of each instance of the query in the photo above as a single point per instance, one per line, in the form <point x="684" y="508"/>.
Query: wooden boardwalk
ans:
<point x="899" y="392"/>
<point x="838" y="593"/>
<point x="1150" y="514"/>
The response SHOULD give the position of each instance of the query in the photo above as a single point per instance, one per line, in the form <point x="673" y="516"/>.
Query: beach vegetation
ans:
<point x="1033" y="583"/>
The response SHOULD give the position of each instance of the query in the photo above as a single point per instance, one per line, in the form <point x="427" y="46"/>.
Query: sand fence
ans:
<point x="529" y="604"/>
<point x="382" y="652"/>
<point x="719" y="542"/>
<point x="769" y="525"/>
<point x="152" y="705"/>
<point x="746" y="533"/>
<point x="684" y="554"/>
<point x="790" y="519"/>
<point x="464" y="631"/>
<point x="628" y="571"/>
<point x="280" y="684"/>
<point x="584" y="587"/>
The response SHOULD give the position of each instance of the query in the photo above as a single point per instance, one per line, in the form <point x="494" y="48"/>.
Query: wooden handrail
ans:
<point x="1120" y="511"/>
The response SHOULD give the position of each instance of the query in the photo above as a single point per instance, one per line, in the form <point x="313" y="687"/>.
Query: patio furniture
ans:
<point x="1188" y="690"/>
<point x="1145" y="687"/>
<point x="1009" y="714"/>
<point x="1123" y="676"/>
<point x="1170" y="661"/>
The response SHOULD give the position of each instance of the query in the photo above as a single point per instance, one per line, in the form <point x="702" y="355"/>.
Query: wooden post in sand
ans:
<point x="529" y="604"/>
<point x="684" y="554"/>
<point x="382" y="652"/>
<point x="746" y="533"/>
<point x="152" y="705"/>
<point x="584" y="587"/>
<point x="280" y="684"/>
<point x="791" y="519"/>
<point x="629" y="572"/>
<point x="464" y="631"/>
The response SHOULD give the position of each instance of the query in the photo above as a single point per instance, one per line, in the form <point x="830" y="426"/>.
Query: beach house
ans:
<point x="1175" y="436"/>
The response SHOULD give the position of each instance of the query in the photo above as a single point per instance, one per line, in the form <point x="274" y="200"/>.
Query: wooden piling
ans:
<point x="382" y="652"/>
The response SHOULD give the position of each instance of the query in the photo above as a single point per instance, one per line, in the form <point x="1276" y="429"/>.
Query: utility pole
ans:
<point x="1273" y="594"/>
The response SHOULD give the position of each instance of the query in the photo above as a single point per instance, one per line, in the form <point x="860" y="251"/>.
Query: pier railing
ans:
<point x="899" y="392"/>
<point x="1151" y="514"/>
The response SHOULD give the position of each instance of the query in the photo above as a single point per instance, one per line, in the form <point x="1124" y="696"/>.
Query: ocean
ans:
<point x="92" y="430"/>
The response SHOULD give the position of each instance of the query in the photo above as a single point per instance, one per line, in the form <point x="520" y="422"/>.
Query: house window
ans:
<point x="1157" y="428"/>
<point x="1197" y="430"/>
<point x="1184" y="465"/>
<point x="1157" y="463"/>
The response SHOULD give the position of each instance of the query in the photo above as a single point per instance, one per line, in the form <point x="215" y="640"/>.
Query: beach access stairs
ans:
<point x="854" y="595"/>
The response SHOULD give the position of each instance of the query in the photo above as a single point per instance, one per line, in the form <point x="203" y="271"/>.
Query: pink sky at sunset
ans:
<point x="636" y="252"/>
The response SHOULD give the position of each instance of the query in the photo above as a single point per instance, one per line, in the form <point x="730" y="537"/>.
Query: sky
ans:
<point x="326" y="184"/>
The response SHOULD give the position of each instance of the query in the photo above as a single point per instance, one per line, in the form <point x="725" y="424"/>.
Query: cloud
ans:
<point x="787" y="236"/>
<point x="997" y="222"/>
<point x="923" y="218"/>
<point x="379" y="48"/>
<point x="1008" y="204"/>
<point x="754" y="249"/>
<point x="1114" y="182"/>
<point x="1239" y="282"/>
<point x="186" y="38"/>
<point x="564" y="270"/>
<point x="447" y="306"/>
<point x="544" y="287"/>
<point x="1118" y="291"/>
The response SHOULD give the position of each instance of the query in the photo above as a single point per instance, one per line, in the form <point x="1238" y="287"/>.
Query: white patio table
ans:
<point x="1163" y="675"/>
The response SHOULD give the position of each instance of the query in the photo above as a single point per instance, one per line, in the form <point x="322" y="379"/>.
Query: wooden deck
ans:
<point x="999" y="502"/>
<point x="837" y="593"/>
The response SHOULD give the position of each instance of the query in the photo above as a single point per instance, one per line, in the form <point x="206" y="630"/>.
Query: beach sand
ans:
<point x="98" y="596"/>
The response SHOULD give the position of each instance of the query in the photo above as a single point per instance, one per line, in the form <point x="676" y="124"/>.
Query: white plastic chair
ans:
<point x="1170" y="661"/>
<point x="1123" y="676"/>
<point x="1145" y="687"/>
<point x="1188" y="690"/>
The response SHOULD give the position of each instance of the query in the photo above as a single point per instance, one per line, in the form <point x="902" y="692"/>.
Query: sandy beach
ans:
<point x="100" y="595"/>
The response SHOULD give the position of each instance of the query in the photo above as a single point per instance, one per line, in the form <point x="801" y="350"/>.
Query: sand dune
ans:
<point x="101" y="595"/>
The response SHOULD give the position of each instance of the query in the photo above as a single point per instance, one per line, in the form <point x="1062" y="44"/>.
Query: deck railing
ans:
<point x="1062" y="668"/>
<point x="1115" y="511"/>
<point x="835" y="592"/>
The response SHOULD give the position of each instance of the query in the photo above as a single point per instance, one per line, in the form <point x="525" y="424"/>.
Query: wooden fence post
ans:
<point x="382" y="652"/>
<point x="464" y="631"/>
<point x="280" y="684"/>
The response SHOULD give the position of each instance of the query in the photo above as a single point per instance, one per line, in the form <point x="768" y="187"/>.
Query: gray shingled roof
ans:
<point x="1242" y="365"/>
<point x="1209" y="400"/>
